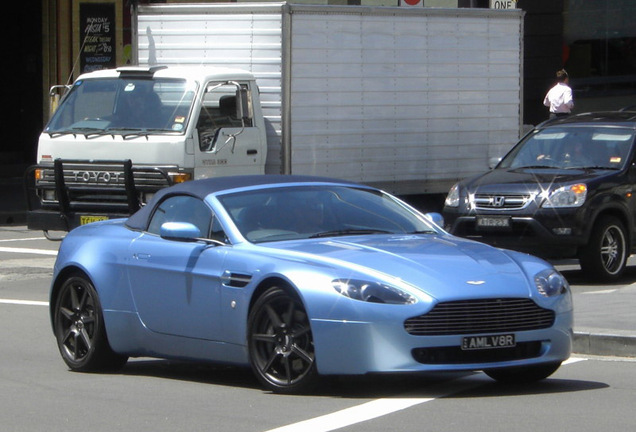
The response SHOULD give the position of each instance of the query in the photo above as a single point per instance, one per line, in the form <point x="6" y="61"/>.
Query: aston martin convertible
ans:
<point x="301" y="277"/>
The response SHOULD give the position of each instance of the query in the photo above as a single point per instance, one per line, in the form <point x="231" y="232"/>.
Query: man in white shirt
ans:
<point x="559" y="98"/>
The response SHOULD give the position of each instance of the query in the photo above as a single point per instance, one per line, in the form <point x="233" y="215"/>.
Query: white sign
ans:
<point x="503" y="4"/>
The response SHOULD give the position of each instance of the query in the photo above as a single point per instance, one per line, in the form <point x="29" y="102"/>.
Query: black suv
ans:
<point x="566" y="190"/>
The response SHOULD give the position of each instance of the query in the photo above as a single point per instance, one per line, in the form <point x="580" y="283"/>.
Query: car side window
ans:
<point x="182" y="208"/>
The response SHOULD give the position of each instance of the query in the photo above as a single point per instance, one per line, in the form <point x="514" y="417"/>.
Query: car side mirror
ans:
<point x="436" y="218"/>
<point x="179" y="231"/>
<point x="493" y="162"/>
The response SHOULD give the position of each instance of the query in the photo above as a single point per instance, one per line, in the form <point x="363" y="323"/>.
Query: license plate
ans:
<point x="488" y="342"/>
<point x="493" y="222"/>
<point x="89" y="219"/>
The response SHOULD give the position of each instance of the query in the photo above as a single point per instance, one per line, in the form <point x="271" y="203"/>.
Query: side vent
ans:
<point x="235" y="280"/>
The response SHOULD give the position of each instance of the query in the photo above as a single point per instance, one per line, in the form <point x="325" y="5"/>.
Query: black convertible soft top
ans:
<point x="205" y="187"/>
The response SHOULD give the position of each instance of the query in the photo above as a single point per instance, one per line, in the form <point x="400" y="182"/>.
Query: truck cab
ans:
<point x="120" y="135"/>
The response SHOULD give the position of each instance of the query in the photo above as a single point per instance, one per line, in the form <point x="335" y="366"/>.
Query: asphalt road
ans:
<point x="38" y="393"/>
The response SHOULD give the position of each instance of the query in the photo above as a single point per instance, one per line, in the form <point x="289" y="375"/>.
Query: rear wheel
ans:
<point x="78" y="324"/>
<point x="605" y="256"/>
<point x="524" y="374"/>
<point x="281" y="346"/>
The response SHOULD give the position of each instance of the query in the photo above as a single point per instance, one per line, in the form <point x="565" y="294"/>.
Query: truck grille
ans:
<point x="92" y="185"/>
<point x="501" y="201"/>
<point x="481" y="316"/>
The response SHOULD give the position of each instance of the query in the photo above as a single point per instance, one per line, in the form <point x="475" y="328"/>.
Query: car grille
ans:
<point x="501" y="201"/>
<point x="455" y="355"/>
<point x="480" y="316"/>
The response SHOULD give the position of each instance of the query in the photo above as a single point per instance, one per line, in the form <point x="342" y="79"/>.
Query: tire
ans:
<point x="524" y="374"/>
<point x="605" y="256"/>
<point x="78" y="324"/>
<point x="280" y="342"/>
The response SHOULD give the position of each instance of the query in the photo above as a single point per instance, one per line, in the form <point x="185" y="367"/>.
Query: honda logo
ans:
<point x="498" y="201"/>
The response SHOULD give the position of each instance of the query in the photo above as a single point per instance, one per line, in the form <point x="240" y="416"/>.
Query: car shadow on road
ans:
<point x="420" y="385"/>
<point x="214" y="374"/>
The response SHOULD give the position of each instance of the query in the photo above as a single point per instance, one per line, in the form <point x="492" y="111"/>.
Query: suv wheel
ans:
<point x="605" y="255"/>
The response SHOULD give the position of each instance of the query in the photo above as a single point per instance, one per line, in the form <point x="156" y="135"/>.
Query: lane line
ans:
<point x="24" y="302"/>
<point x="353" y="415"/>
<point x="381" y="407"/>
<point x="22" y="239"/>
<point x="28" y="251"/>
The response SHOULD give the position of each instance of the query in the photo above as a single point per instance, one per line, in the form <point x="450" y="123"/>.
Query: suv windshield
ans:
<point x="572" y="147"/>
<point x="124" y="105"/>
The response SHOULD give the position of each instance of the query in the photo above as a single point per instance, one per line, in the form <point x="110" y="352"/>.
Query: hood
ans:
<point x="529" y="179"/>
<point x="442" y="266"/>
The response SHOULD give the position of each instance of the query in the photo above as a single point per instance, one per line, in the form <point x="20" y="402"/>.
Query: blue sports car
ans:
<point x="301" y="277"/>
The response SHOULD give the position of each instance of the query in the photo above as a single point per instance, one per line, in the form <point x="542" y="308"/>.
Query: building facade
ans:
<point x="594" y="40"/>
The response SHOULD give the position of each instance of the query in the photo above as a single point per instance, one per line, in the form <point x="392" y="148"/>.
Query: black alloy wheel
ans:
<point x="78" y="324"/>
<point x="605" y="256"/>
<point x="280" y="341"/>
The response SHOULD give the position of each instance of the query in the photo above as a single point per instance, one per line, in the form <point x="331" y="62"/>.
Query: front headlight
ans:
<point x="372" y="292"/>
<point x="566" y="196"/>
<point x="452" y="199"/>
<point x="550" y="283"/>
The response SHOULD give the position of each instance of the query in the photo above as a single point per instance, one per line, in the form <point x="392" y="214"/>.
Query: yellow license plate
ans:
<point x="89" y="219"/>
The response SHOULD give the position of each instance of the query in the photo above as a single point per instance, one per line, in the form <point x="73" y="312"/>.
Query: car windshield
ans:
<point x="287" y="213"/>
<point x="123" y="106"/>
<point x="601" y="147"/>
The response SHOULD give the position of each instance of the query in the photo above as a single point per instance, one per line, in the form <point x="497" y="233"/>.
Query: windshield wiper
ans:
<point x="346" y="232"/>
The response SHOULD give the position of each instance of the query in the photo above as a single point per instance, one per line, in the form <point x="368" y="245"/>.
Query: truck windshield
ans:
<point x="122" y="105"/>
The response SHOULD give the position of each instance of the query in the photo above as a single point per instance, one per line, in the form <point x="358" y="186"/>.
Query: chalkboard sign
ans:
<point x="97" y="24"/>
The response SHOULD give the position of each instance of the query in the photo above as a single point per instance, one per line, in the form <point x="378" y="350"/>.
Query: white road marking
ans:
<point x="22" y="239"/>
<point x="28" y="251"/>
<point x="381" y="407"/>
<point x="573" y="360"/>
<point x="609" y="291"/>
<point x="24" y="302"/>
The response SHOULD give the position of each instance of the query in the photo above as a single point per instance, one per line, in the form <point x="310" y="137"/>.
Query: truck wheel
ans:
<point x="79" y="328"/>
<point x="605" y="256"/>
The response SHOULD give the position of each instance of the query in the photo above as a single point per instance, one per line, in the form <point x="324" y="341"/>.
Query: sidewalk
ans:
<point x="604" y="321"/>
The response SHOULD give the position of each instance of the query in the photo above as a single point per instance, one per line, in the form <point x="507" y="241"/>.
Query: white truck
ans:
<point x="408" y="100"/>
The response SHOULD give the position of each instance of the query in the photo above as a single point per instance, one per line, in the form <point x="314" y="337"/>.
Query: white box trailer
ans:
<point x="409" y="100"/>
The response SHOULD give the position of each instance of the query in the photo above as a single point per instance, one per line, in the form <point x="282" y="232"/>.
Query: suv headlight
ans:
<point x="566" y="196"/>
<point x="452" y="199"/>
<point x="372" y="292"/>
<point x="550" y="283"/>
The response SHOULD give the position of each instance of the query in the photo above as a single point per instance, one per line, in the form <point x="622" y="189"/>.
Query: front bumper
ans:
<point x="354" y="348"/>
<point x="549" y="234"/>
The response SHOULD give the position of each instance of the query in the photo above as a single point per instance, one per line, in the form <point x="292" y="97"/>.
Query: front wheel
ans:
<point x="605" y="256"/>
<point x="281" y="346"/>
<point x="523" y="374"/>
<point x="78" y="324"/>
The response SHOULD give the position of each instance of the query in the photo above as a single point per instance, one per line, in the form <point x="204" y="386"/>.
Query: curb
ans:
<point x="604" y="344"/>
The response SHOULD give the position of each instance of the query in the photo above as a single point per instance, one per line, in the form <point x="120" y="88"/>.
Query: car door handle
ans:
<point x="251" y="152"/>
<point x="141" y="256"/>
